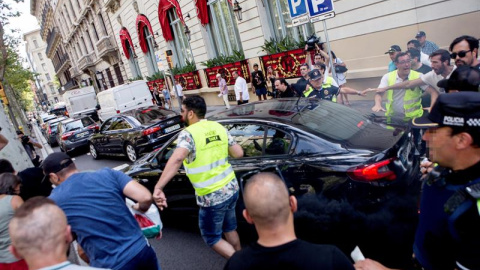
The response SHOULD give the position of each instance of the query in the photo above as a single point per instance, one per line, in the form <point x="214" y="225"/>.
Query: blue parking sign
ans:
<point x="297" y="7"/>
<point x="319" y="7"/>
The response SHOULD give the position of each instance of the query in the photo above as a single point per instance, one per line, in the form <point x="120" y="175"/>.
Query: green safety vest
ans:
<point x="306" y="93"/>
<point x="328" y="84"/>
<point x="210" y="171"/>
<point x="412" y="101"/>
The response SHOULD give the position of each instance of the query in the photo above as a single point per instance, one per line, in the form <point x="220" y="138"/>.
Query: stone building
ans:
<point x="42" y="66"/>
<point x="80" y="43"/>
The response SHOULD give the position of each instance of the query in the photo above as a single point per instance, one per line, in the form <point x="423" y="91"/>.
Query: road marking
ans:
<point x="120" y="167"/>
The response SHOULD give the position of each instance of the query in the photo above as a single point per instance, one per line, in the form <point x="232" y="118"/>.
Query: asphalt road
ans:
<point x="181" y="246"/>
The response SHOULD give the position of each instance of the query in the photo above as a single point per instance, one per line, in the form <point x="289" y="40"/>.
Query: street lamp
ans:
<point x="188" y="33"/>
<point x="237" y="9"/>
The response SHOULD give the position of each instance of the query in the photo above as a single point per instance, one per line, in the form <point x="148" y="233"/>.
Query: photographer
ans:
<point x="29" y="145"/>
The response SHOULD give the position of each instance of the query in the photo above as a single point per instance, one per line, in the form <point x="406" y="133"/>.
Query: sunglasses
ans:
<point x="460" y="54"/>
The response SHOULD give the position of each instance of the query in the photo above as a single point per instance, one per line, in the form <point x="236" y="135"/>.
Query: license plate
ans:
<point x="83" y="134"/>
<point x="172" y="128"/>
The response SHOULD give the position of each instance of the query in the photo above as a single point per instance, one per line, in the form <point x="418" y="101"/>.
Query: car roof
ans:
<point x="57" y="120"/>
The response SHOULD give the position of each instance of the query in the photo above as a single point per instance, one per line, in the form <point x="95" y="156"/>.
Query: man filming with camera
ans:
<point x="29" y="144"/>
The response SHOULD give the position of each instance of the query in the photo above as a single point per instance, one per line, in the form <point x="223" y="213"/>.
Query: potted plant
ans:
<point x="284" y="56"/>
<point x="157" y="79"/>
<point x="187" y="76"/>
<point x="225" y="65"/>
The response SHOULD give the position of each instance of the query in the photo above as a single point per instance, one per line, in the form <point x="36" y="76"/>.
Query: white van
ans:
<point x="123" y="98"/>
<point x="81" y="101"/>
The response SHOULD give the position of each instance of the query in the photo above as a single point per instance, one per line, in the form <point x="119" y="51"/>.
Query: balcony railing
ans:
<point x="61" y="63"/>
<point x="104" y="46"/>
<point x="69" y="85"/>
<point x="52" y="37"/>
<point x="86" y="61"/>
<point x="75" y="72"/>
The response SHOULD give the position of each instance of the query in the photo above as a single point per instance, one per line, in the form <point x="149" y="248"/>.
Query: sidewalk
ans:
<point x="37" y="134"/>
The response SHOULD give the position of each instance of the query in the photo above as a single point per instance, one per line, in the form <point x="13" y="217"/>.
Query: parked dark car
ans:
<point x="51" y="130"/>
<point x="346" y="169"/>
<point x="135" y="132"/>
<point x="74" y="133"/>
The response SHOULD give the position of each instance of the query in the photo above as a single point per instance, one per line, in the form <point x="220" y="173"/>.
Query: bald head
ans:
<point x="266" y="199"/>
<point x="39" y="227"/>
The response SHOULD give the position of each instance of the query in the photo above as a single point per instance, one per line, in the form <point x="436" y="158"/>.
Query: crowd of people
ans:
<point x="35" y="231"/>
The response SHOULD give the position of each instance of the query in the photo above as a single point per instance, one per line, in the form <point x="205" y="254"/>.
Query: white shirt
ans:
<point x="425" y="59"/>
<point x="241" y="87"/>
<point x="179" y="89"/>
<point x="432" y="78"/>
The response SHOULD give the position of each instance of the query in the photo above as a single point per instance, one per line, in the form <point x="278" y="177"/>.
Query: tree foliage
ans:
<point x="7" y="39"/>
<point x="17" y="77"/>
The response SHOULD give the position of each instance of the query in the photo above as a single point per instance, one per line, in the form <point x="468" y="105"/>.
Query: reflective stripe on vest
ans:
<point x="328" y="83"/>
<point x="412" y="100"/>
<point x="306" y="93"/>
<point x="210" y="171"/>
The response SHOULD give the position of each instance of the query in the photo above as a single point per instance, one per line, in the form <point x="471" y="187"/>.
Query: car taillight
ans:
<point x="65" y="136"/>
<point x="373" y="172"/>
<point x="49" y="130"/>
<point x="118" y="111"/>
<point x="147" y="110"/>
<point x="151" y="130"/>
<point x="94" y="127"/>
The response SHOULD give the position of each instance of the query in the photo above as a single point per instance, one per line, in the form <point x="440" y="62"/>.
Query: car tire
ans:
<point x="131" y="152"/>
<point x="61" y="148"/>
<point x="93" y="151"/>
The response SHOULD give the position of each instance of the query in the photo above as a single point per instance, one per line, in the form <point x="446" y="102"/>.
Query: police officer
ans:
<point x="204" y="147"/>
<point x="317" y="90"/>
<point x="448" y="234"/>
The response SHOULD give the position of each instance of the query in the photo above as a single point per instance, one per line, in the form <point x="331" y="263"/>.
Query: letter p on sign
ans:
<point x="315" y="4"/>
<point x="297" y="7"/>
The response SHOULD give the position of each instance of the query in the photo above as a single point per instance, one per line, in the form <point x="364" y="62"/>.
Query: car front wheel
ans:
<point x="93" y="151"/>
<point x="131" y="152"/>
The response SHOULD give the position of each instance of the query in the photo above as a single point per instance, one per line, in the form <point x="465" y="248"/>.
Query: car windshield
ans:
<point x="151" y="115"/>
<point x="331" y="120"/>
<point x="78" y="124"/>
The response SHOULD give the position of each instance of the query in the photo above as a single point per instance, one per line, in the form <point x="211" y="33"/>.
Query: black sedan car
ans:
<point x="347" y="170"/>
<point x="135" y="132"/>
<point x="74" y="133"/>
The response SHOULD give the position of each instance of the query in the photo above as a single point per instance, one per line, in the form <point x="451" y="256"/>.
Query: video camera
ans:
<point x="311" y="41"/>
<point x="25" y="139"/>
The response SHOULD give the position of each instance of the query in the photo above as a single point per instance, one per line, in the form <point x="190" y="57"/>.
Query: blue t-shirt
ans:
<point x="95" y="207"/>
<point x="391" y="66"/>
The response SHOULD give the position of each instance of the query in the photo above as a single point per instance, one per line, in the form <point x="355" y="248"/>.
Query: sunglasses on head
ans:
<point x="460" y="54"/>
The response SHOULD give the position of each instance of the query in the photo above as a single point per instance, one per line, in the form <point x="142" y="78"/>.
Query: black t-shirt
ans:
<point x="297" y="254"/>
<point x="258" y="80"/>
<point x="300" y="86"/>
<point x="424" y="69"/>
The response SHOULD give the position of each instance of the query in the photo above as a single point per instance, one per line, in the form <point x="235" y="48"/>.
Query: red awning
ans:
<point x="163" y="7"/>
<point x="141" y="22"/>
<point x="124" y="39"/>
<point x="202" y="11"/>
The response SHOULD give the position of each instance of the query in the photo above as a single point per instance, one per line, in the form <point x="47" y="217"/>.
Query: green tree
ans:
<point x="6" y="39"/>
<point x="18" y="78"/>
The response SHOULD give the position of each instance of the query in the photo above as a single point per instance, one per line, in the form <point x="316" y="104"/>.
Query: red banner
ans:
<point x="189" y="81"/>
<point x="226" y="70"/>
<point x="287" y="64"/>
<point x="159" y="82"/>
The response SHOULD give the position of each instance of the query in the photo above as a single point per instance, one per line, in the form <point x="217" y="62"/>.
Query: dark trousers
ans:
<point x="240" y="102"/>
<point x="145" y="259"/>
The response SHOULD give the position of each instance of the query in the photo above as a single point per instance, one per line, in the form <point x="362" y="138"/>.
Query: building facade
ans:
<point x="360" y="33"/>
<point x="45" y="88"/>
<point x="80" y="43"/>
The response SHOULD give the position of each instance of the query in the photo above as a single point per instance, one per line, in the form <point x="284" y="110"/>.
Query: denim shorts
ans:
<point x="217" y="219"/>
<point x="261" y="91"/>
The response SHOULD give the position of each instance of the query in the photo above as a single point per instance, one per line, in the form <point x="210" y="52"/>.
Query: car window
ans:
<point x="120" y="124"/>
<point x="79" y="124"/>
<point x="152" y="115"/>
<point x="246" y="135"/>
<point x="106" y="125"/>
<point x="277" y="142"/>
<point x="167" y="153"/>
